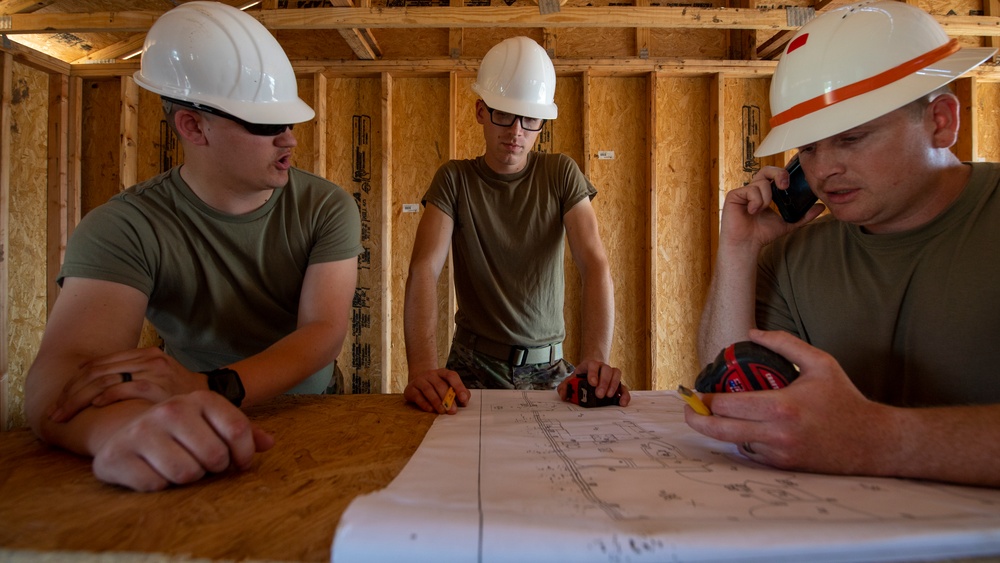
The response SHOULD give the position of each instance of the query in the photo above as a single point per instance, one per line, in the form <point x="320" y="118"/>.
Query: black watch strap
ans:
<point x="227" y="383"/>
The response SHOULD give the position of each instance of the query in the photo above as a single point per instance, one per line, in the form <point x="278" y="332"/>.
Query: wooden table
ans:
<point x="329" y="449"/>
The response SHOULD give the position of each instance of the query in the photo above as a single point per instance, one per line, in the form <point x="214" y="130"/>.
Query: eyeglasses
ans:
<point x="504" y="119"/>
<point x="259" y="129"/>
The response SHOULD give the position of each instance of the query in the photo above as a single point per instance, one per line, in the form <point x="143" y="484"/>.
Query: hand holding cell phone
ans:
<point x="794" y="202"/>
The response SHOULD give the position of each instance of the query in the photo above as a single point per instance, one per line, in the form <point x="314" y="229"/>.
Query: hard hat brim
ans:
<point x="517" y="107"/>
<point x="858" y="110"/>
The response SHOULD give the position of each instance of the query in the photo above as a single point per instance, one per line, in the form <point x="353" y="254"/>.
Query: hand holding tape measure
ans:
<point x="741" y="366"/>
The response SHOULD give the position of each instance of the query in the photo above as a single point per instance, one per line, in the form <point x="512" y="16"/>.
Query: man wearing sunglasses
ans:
<point x="244" y="265"/>
<point x="505" y="215"/>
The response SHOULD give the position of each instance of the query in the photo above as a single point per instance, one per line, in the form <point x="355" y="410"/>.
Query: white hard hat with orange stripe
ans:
<point x="856" y="63"/>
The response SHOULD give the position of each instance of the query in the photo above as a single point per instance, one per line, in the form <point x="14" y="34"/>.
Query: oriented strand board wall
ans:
<point x="158" y="147"/>
<point x="745" y="113"/>
<point x="683" y="223"/>
<point x="988" y="121"/>
<point x="419" y="146"/>
<point x="26" y="297"/>
<point x="565" y="135"/>
<point x="618" y="122"/>
<point x="100" y="165"/>
<point x="354" y="162"/>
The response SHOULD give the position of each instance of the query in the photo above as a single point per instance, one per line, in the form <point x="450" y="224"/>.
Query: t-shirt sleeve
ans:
<point x="339" y="229"/>
<point x="772" y="310"/>
<point x="576" y="185"/>
<point x="112" y="244"/>
<point x="443" y="191"/>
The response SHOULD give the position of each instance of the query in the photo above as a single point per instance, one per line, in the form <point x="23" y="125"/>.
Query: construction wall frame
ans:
<point x="661" y="140"/>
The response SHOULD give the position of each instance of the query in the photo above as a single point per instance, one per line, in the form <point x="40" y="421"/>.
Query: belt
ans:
<point x="515" y="355"/>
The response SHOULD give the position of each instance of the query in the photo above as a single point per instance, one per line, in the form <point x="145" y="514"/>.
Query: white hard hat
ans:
<point x="517" y="76"/>
<point x="856" y="63"/>
<point x="215" y="55"/>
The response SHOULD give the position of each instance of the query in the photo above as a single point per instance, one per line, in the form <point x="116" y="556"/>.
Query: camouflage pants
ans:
<point x="479" y="371"/>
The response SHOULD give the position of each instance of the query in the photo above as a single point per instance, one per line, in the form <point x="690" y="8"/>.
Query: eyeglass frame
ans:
<point x="258" y="129"/>
<point x="517" y="118"/>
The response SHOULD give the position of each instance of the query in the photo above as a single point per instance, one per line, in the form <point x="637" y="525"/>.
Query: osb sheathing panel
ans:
<point x="419" y="146"/>
<point x="683" y="219"/>
<point x="319" y="44"/>
<point x="26" y="299"/>
<point x="565" y="135"/>
<point x="158" y="149"/>
<point x="469" y="139"/>
<point x="618" y="122"/>
<point x="745" y="112"/>
<point x="595" y="43"/>
<point x="304" y="152"/>
<point x="988" y="121"/>
<point x="478" y="41"/>
<point x="688" y="43"/>
<point x="354" y="162"/>
<point x="412" y="44"/>
<point x="99" y="166"/>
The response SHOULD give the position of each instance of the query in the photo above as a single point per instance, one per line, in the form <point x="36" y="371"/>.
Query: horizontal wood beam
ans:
<point x="444" y="66"/>
<point x="468" y="17"/>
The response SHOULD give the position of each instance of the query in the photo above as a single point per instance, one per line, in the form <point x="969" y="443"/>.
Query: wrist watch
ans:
<point x="227" y="383"/>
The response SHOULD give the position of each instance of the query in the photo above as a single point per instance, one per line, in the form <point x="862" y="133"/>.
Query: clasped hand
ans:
<point x="152" y="375"/>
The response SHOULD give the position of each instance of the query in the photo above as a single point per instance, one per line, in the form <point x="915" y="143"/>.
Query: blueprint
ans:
<point x="523" y="476"/>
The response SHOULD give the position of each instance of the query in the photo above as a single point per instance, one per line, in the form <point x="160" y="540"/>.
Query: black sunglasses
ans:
<point x="260" y="129"/>
<point x="504" y="119"/>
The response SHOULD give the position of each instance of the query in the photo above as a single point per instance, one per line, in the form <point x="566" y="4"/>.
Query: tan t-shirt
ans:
<point x="508" y="244"/>
<point x="913" y="317"/>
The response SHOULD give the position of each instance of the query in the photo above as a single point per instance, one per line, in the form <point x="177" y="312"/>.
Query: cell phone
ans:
<point x="794" y="202"/>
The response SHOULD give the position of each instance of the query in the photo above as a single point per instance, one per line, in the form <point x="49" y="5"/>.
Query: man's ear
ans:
<point x="943" y="116"/>
<point x="190" y="126"/>
<point x="482" y="116"/>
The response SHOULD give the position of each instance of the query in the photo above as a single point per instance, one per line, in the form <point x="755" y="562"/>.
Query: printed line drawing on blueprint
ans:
<point x="523" y="476"/>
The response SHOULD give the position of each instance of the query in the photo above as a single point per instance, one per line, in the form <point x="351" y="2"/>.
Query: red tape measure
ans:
<point x="746" y="366"/>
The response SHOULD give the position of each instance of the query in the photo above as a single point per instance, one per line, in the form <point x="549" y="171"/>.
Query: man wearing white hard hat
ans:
<point x="505" y="215"/>
<point x="244" y="265"/>
<point x="889" y="305"/>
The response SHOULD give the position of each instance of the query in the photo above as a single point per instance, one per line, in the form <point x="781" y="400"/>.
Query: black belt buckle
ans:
<point x="518" y="356"/>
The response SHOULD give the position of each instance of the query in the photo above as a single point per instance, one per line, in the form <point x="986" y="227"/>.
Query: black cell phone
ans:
<point x="794" y="202"/>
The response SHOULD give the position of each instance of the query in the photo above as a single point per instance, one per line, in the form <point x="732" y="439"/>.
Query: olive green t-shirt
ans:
<point x="508" y="244"/>
<point x="913" y="317"/>
<point x="220" y="287"/>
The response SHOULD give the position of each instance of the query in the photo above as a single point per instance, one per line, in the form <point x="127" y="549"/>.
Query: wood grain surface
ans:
<point x="329" y="449"/>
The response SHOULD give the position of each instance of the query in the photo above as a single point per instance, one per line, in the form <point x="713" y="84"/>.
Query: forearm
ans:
<point x="420" y="322"/>
<point x="84" y="433"/>
<point x="952" y="444"/>
<point x="598" y="315"/>
<point x="289" y="361"/>
<point x="728" y="314"/>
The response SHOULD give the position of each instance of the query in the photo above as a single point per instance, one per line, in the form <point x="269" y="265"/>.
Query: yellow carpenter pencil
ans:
<point x="693" y="400"/>
<point x="449" y="398"/>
